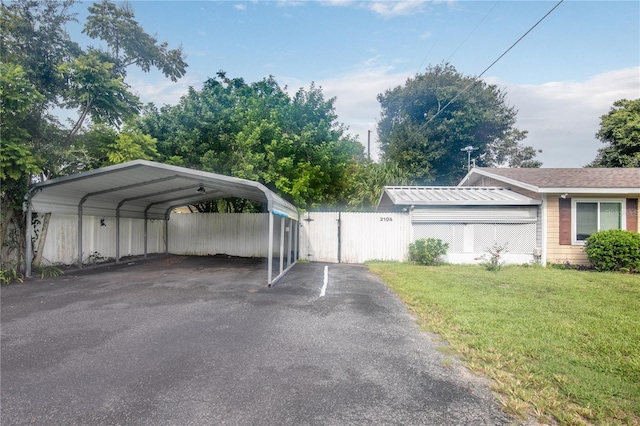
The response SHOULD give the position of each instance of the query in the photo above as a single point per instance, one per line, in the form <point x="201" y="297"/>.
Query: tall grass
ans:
<point x="559" y="345"/>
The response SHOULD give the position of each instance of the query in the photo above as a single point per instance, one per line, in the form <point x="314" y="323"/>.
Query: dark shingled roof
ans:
<point x="571" y="178"/>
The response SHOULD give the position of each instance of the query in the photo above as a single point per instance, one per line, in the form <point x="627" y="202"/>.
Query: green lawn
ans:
<point x="558" y="344"/>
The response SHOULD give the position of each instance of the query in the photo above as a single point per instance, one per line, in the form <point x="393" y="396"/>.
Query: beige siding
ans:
<point x="557" y="253"/>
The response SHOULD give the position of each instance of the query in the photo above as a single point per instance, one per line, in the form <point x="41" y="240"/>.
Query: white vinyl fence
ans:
<point x="354" y="237"/>
<point x="98" y="238"/>
<point x="243" y="235"/>
<point x="323" y="237"/>
<point x="359" y="237"/>
<point x="235" y="234"/>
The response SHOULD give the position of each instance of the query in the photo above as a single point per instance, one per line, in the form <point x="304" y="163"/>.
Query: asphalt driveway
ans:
<point x="202" y="341"/>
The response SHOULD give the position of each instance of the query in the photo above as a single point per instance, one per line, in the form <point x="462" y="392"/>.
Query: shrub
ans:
<point x="10" y="274"/>
<point x="427" y="251"/>
<point x="492" y="260"/>
<point x="614" y="250"/>
<point x="49" y="271"/>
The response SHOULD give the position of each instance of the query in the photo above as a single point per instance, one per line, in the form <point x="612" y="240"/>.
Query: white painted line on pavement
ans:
<point x="326" y="281"/>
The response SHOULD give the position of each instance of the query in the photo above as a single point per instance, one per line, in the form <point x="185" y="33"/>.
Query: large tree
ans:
<point x="620" y="130"/>
<point x="292" y="144"/>
<point x="66" y="75"/>
<point x="426" y="123"/>
<point x="44" y="70"/>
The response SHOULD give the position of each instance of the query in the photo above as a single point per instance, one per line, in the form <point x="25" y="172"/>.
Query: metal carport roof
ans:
<point x="146" y="190"/>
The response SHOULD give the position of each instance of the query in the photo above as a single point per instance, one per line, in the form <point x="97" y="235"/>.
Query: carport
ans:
<point x="148" y="190"/>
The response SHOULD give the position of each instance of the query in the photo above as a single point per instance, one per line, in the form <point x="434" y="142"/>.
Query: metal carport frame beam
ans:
<point x="289" y="252"/>
<point x="101" y="192"/>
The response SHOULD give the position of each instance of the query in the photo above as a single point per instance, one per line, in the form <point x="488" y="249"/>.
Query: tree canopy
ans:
<point x="61" y="74"/>
<point x="620" y="130"/>
<point x="426" y="123"/>
<point x="292" y="144"/>
<point x="44" y="71"/>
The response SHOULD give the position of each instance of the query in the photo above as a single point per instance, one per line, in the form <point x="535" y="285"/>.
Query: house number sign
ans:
<point x="386" y="219"/>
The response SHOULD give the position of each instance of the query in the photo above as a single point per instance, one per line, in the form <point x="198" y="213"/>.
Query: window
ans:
<point x="590" y="216"/>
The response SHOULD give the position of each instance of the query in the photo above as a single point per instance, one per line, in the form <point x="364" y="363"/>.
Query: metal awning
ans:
<point x="145" y="189"/>
<point x="148" y="190"/>
<point x="394" y="197"/>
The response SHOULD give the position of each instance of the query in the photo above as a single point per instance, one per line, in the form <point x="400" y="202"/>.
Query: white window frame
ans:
<point x="574" y="214"/>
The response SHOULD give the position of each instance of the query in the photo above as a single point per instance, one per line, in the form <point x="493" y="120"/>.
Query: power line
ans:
<point x="492" y="64"/>
<point x="461" y="44"/>
<point x="425" y="58"/>
<point x="472" y="31"/>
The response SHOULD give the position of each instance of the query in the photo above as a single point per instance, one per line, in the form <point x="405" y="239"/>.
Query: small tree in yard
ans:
<point x="427" y="251"/>
<point x="614" y="250"/>
<point x="492" y="260"/>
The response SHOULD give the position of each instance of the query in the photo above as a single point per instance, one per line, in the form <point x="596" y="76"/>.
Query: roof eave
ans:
<point x="560" y="190"/>
<point x="531" y="202"/>
<point x="510" y="181"/>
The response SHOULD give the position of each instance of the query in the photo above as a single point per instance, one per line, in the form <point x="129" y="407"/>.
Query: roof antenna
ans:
<point x="469" y="149"/>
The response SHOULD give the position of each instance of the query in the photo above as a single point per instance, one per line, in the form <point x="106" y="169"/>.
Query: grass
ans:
<point x="560" y="345"/>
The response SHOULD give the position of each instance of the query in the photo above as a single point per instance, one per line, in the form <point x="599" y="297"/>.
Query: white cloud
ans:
<point x="337" y="2"/>
<point x="289" y="3"/>
<point x="357" y="105"/>
<point x="390" y="9"/>
<point x="161" y="90"/>
<point x="372" y="61"/>
<point x="563" y="117"/>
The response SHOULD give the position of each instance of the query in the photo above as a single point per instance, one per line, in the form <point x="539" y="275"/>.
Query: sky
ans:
<point x="561" y="77"/>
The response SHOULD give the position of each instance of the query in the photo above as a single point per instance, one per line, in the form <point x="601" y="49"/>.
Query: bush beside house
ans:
<point x="614" y="250"/>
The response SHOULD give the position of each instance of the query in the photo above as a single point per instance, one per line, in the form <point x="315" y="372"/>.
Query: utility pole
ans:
<point x="369" y="144"/>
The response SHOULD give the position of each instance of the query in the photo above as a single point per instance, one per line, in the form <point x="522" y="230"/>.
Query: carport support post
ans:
<point x="296" y="240"/>
<point x="289" y="247"/>
<point x="282" y="226"/>
<point x="145" y="234"/>
<point x="166" y="233"/>
<point x="270" y="250"/>
<point x="118" y="235"/>
<point x="80" y="235"/>
<point x="28" y="248"/>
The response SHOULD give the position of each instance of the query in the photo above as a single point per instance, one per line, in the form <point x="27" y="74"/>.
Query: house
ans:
<point x="470" y="220"/>
<point x="574" y="203"/>
<point x="539" y="215"/>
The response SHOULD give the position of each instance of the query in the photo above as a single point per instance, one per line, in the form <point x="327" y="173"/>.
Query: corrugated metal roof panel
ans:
<point x="142" y="186"/>
<point x="453" y="195"/>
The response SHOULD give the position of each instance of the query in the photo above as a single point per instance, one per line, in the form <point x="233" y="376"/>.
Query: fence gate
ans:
<point x="319" y="237"/>
<point x="345" y="237"/>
